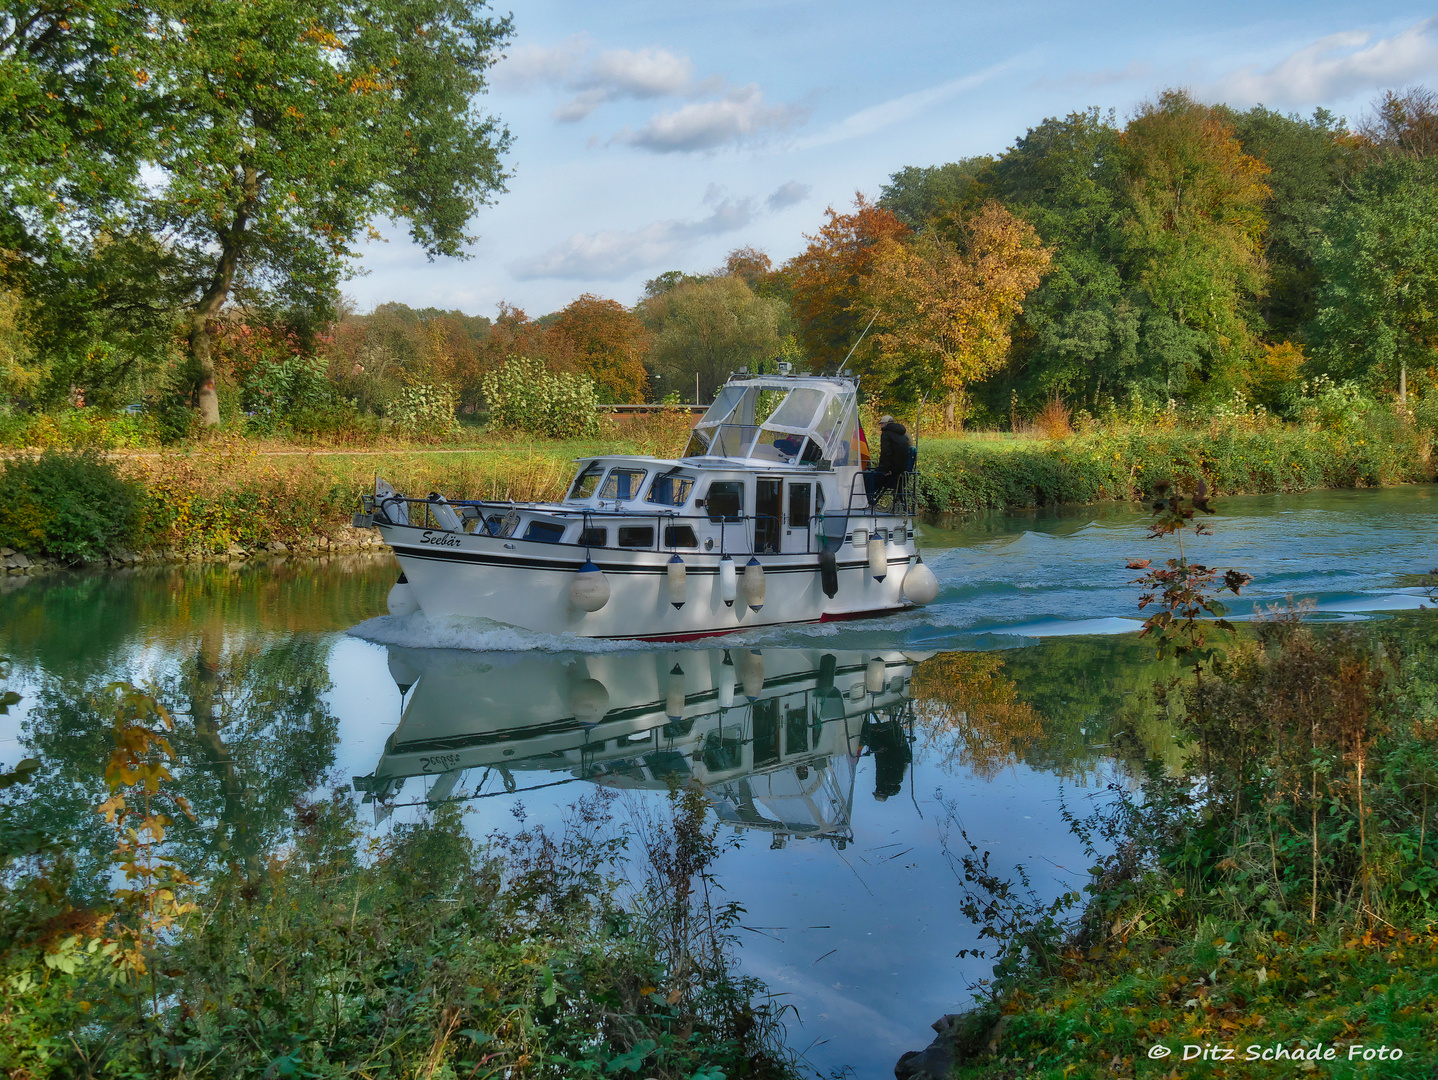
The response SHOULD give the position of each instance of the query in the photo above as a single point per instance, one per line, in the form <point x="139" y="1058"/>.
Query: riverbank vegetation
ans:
<point x="1276" y="895"/>
<point x="275" y="941"/>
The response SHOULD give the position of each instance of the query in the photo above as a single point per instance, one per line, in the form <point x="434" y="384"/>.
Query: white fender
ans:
<point x="920" y="585"/>
<point x="874" y="674"/>
<point x="728" y="587"/>
<point x="674" y="699"/>
<point x="444" y="514"/>
<point x="751" y="673"/>
<point x="754" y="586"/>
<point x="878" y="558"/>
<point x="589" y="591"/>
<point x="725" y="683"/>
<point x="401" y="600"/>
<point x="589" y="699"/>
<point x="678" y="588"/>
<point x="401" y="672"/>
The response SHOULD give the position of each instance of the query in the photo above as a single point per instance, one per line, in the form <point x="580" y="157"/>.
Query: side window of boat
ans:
<point x="725" y="500"/>
<point x="623" y="484"/>
<point x="680" y="536"/>
<point x="586" y="481"/>
<point x="671" y="490"/>
<point x="546" y="532"/>
<point x="594" y="537"/>
<point x="636" y="536"/>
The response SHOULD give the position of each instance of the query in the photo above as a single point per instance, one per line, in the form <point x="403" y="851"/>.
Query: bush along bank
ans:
<point x="968" y="476"/>
<point x="1273" y="910"/>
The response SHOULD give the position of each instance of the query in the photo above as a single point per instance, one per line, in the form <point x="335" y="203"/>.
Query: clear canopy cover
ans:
<point x="781" y="421"/>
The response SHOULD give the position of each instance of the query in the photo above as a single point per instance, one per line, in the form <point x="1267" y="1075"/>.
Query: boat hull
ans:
<point x="527" y="584"/>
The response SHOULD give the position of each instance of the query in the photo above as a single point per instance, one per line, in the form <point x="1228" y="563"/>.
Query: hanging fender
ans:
<point x="829" y="573"/>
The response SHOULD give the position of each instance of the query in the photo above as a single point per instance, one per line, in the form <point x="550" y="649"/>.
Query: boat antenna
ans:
<point x="856" y="344"/>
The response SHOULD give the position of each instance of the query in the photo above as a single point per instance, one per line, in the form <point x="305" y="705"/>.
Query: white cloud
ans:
<point x="614" y="254"/>
<point x="612" y="75"/>
<point x="895" y="110"/>
<point x="786" y="195"/>
<point x="529" y="66"/>
<point x="1336" y="67"/>
<point x="741" y="113"/>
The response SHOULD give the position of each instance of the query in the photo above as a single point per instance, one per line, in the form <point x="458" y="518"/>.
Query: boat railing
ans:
<point x="875" y="492"/>
<point x="734" y="534"/>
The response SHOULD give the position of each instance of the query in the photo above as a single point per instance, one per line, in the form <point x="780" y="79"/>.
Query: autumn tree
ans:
<point x="1195" y="233"/>
<point x="828" y="280"/>
<point x="947" y="301"/>
<point x="290" y="129"/>
<point x="709" y="329"/>
<point x="609" y="343"/>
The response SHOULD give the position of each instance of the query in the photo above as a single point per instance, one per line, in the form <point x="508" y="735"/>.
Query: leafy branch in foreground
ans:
<point x="1184" y="591"/>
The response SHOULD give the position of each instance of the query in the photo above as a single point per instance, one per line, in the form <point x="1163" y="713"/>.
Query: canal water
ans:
<point x="846" y="763"/>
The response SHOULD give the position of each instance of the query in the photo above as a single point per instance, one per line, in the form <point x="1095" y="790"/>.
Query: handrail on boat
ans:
<point x="814" y="540"/>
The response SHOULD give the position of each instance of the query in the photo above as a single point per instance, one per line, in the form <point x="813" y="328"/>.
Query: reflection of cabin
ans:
<point x="772" y="739"/>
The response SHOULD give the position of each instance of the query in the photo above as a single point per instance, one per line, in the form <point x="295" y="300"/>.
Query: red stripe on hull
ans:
<point x="839" y="617"/>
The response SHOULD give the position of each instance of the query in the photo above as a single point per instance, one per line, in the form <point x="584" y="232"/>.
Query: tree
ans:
<point x="946" y="305"/>
<point x="827" y="280"/>
<point x="609" y="343"/>
<point x="1195" y="233"/>
<point x="1307" y="161"/>
<point x="289" y="129"/>
<point x="710" y="329"/>
<point x="1378" y="308"/>
<point x="915" y="194"/>
<point x="1079" y="329"/>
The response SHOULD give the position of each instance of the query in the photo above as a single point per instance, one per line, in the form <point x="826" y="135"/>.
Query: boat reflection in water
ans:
<point x="772" y="737"/>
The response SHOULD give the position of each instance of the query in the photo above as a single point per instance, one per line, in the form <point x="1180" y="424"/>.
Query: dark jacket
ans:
<point x="894" y="448"/>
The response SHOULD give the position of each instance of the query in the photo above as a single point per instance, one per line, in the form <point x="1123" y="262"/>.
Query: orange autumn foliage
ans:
<point x="946" y="303"/>
<point x="608" y="343"/>
<point x="971" y="713"/>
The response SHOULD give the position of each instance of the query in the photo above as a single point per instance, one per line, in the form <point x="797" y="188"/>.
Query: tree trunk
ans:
<point x="949" y="413"/>
<point x="215" y="295"/>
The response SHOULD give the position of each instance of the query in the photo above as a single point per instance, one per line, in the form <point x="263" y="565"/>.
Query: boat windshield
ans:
<point x="772" y="419"/>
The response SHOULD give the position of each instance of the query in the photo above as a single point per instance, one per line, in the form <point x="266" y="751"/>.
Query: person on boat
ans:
<point x="894" y="458"/>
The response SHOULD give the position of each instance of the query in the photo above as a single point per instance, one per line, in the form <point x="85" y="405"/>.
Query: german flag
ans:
<point x="863" y="449"/>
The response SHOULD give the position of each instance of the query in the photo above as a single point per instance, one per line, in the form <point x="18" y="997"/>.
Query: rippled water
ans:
<point x="841" y="758"/>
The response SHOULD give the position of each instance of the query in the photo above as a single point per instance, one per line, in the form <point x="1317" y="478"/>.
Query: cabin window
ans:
<point x="725" y="500"/>
<point x="680" y="536"/>
<point x="623" y="484"/>
<point x="594" y="537"/>
<point x="546" y="532"/>
<point x="586" y="482"/>
<point x="799" y="506"/>
<point x="636" y="536"/>
<point x="671" y="490"/>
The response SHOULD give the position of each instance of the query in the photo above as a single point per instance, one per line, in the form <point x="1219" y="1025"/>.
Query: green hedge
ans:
<point x="966" y="476"/>
<point x="67" y="505"/>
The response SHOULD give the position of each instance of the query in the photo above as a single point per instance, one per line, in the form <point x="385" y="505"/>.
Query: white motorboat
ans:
<point x="768" y="518"/>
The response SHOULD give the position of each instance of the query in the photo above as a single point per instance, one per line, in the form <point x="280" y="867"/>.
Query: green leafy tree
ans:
<point x="1079" y="330"/>
<point x="915" y="194"/>
<point x="1195" y="242"/>
<point x="1307" y="162"/>
<point x="294" y="127"/>
<point x="710" y="329"/>
<point x="1378" y="308"/>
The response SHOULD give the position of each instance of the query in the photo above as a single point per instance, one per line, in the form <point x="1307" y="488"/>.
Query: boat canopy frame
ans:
<point x="780" y="420"/>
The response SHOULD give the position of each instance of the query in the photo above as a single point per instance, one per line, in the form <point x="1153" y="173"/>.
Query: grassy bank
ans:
<point x="972" y="475"/>
<point x="1279" y="899"/>
<point x="228" y="496"/>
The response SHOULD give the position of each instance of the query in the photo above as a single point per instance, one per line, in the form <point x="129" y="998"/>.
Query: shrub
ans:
<point x="523" y="395"/>
<point x="424" y="408"/>
<point x="69" y="505"/>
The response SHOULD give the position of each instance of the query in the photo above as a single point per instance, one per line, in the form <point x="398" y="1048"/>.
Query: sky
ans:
<point x="661" y="136"/>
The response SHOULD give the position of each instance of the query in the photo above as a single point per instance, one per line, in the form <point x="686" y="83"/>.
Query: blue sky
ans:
<point x="656" y="136"/>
